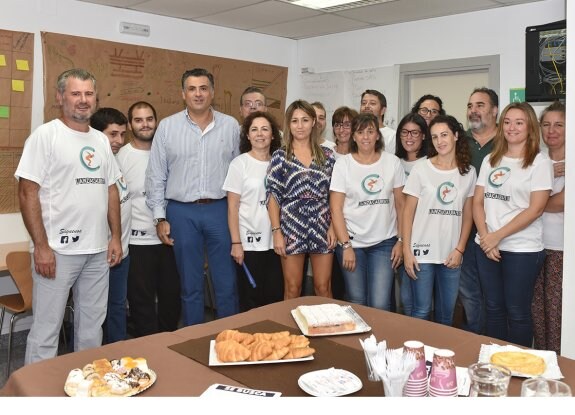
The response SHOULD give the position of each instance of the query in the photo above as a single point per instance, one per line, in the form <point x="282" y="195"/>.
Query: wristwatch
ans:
<point x="158" y="220"/>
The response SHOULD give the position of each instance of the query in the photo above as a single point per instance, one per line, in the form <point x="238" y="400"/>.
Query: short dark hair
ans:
<point x="426" y="97"/>
<point x="252" y="90"/>
<point x="493" y="97"/>
<point x="138" y="105"/>
<point x="196" y="73"/>
<point x="102" y="118"/>
<point x="246" y="145"/>
<point x="418" y="120"/>
<point x="379" y="95"/>
<point x="362" y="121"/>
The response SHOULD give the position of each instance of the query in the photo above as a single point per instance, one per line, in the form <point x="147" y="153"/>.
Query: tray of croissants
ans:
<point x="233" y="347"/>
<point x="114" y="378"/>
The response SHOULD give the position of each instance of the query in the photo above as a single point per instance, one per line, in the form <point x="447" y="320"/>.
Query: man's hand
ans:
<point x="163" y="231"/>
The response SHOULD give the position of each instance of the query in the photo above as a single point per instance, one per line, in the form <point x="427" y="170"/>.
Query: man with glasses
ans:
<point x="252" y="100"/>
<point x="375" y="102"/>
<point x="482" y="109"/>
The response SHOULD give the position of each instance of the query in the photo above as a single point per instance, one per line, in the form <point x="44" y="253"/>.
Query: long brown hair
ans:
<point x="316" y="150"/>
<point x="531" y="148"/>
<point x="462" y="154"/>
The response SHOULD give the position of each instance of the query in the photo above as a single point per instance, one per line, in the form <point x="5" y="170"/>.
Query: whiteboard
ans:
<point x="334" y="89"/>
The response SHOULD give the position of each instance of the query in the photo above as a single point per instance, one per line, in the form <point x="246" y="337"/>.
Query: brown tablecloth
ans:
<point x="179" y="375"/>
<point x="265" y="376"/>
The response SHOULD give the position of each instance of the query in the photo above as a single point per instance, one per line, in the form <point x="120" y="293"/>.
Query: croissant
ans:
<point x="280" y="334"/>
<point x="231" y="335"/>
<point x="298" y="341"/>
<point x="281" y="342"/>
<point x="231" y="351"/>
<point x="299" y="352"/>
<point x="262" y="336"/>
<point x="260" y="351"/>
<point x="278" y="354"/>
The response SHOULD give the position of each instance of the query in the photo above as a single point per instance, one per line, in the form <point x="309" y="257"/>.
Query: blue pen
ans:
<point x="249" y="274"/>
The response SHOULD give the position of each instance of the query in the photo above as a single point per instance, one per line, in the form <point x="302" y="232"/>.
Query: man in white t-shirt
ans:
<point x="69" y="199"/>
<point x="375" y="102"/>
<point x="153" y="279"/>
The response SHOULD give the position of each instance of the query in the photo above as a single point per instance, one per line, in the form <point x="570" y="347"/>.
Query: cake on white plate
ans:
<point x="325" y="319"/>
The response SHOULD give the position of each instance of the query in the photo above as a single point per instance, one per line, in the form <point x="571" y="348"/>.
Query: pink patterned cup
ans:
<point x="416" y="347"/>
<point x="443" y="375"/>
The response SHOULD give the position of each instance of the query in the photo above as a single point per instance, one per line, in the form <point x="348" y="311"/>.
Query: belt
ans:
<point x="205" y="201"/>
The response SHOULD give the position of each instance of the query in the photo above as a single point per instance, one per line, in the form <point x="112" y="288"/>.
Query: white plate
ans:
<point x="215" y="362"/>
<point x="132" y="392"/>
<point x="552" y="370"/>
<point x="360" y="324"/>
<point x="329" y="382"/>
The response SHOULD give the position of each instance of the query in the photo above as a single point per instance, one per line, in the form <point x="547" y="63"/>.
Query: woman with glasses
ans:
<point x="549" y="285"/>
<point x="437" y="220"/>
<point x="366" y="202"/>
<point x="248" y="219"/>
<point x="513" y="188"/>
<point x="341" y="122"/>
<point x="298" y="202"/>
<point x="428" y="106"/>
<point x="411" y="147"/>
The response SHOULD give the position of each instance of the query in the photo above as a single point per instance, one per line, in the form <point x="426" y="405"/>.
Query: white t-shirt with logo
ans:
<point x="133" y="163"/>
<point x="553" y="222"/>
<point x="125" y="213"/>
<point x="74" y="170"/>
<point x="438" y="217"/>
<point x="408" y="165"/>
<point x="369" y="206"/>
<point x="507" y="193"/>
<point x="388" y="139"/>
<point x="247" y="178"/>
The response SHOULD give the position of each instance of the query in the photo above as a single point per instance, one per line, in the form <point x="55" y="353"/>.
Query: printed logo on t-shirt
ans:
<point x="446" y="193"/>
<point x="122" y="183"/>
<point x="89" y="159"/>
<point x="69" y="235"/>
<point x="252" y="237"/>
<point x="499" y="176"/>
<point x="372" y="184"/>
<point x="136" y="232"/>
<point x="420" y="249"/>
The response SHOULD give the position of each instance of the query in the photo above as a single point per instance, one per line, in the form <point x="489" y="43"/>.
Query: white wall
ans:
<point x="498" y="31"/>
<point x="101" y="22"/>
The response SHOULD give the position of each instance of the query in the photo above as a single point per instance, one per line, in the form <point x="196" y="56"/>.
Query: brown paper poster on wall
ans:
<point x="16" y="69"/>
<point x="129" y="73"/>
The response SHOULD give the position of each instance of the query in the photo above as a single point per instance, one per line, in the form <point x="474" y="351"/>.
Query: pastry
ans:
<point x="520" y="362"/>
<point x="231" y="351"/>
<point x="324" y="319"/>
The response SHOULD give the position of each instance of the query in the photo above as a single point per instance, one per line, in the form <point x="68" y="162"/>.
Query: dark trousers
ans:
<point x="266" y="270"/>
<point x="153" y="275"/>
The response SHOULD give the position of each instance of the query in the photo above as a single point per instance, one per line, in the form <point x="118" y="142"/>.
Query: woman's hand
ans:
<point x="410" y="264"/>
<point x="494" y="255"/>
<point x="454" y="259"/>
<point x="238" y="253"/>
<point x="397" y="255"/>
<point x="348" y="260"/>
<point x="489" y="241"/>
<point x="279" y="243"/>
<point x="331" y="238"/>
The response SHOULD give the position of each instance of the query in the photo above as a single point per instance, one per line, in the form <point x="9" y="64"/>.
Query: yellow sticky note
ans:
<point x="17" y="85"/>
<point x="2" y="60"/>
<point x="22" y="65"/>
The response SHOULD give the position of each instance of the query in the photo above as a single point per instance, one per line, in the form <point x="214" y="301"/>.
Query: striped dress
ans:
<point x="302" y="194"/>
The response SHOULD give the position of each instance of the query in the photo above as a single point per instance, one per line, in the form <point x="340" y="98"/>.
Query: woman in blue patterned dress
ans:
<point x="298" y="202"/>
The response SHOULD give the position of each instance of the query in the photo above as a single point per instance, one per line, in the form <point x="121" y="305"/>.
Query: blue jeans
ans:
<point x="405" y="291"/>
<point x="508" y="286"/>
<point x="115" y="324"/>
<point x="470" y="293"/>
<point x="446" y="282"/>
<point x="194" y="226"/>
<point x="371" y="282"/>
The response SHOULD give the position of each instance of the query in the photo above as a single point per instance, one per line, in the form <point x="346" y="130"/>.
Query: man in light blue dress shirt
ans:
<point x="189" y="160"/>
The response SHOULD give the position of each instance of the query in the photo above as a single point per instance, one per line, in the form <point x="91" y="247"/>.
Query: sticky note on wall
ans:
<point x="17" y="85"/>
<point x="2" y="60"/>
<point x="4" y="111"/>
<point x="22" y="65"/>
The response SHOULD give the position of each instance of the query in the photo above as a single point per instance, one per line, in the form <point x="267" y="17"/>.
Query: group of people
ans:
<point x="443" y="212"/>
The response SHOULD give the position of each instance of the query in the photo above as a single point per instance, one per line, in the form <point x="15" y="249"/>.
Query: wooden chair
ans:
<point x="19" y="266"/>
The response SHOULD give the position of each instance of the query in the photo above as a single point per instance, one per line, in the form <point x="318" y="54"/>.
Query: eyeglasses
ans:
<point x="253" y="104"/>
<point x="346" y="125"/>
<point x="413" y="133"/>
<point x="425" y="111"/>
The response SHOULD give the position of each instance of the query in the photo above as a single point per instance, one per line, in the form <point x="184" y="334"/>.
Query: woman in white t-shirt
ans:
<point x="547" y="298"/>
<point x="366" y="202"/>
<point x="437" y="220"/>
<point x="410" y="147"/>
<point x="260" y="278"/>
<point x="512" y="190"/>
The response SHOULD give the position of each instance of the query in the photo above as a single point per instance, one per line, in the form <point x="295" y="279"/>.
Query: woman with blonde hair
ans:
<point x="511" y="194"/>
<point x="297" y="199"/>
<point x="547" y="300"/>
